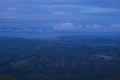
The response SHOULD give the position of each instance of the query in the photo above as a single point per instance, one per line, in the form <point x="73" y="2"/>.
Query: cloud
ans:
<point x="9" y="29"/>
<point x="66" y="26"/>
<point x="82" y="9"/>
<point x="79" y="2"/>
<point x="95" y="9"/>
<point x="25" y="30"/>
<point x="30" y="30"/>
<point x="70" y="8"/>
<point x="73" y="27"/>
<point x="58" y="13"/>
<point x="87" y="28"/>
<point x="38" y="9"/>
<point x="115" y="27"/>
<point x="79" y="8"/>
<point x="11" y="9"/>
<point x="93" y="27"/>
<point x="67" y="6"/>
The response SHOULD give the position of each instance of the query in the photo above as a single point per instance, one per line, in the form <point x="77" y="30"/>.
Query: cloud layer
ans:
<point x="59" y="16"/>
<point x="87" y="28"/>
<point x="9" y="29"/>
<point x="66" y="27"/>
<point x="32" y="8"/>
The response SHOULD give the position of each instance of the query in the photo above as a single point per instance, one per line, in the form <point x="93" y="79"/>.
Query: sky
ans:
<point x="48" y="17"/>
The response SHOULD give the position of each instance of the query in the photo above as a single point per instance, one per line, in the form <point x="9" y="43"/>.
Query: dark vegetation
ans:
<point x="6" y="77"/>
<point x="60" y="58"/>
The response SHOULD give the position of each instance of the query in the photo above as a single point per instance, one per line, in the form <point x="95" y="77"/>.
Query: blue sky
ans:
<point x="58" y="16"/>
